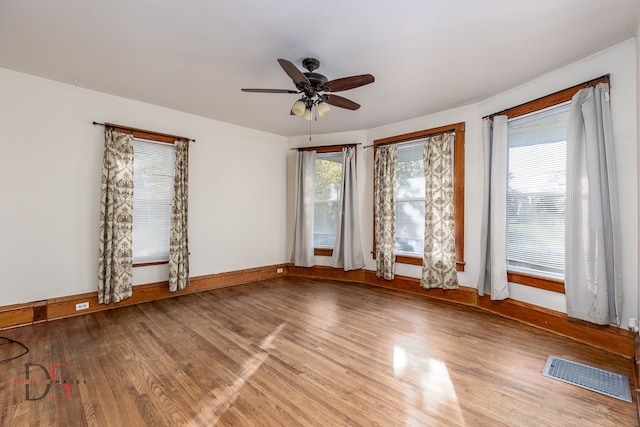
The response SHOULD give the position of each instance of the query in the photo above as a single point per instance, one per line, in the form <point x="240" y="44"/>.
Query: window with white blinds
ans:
<point x="410" y="199"/>
<point x="536" y="192"/>
<point x="327" y="198"/>
<point x="153" y="172"/>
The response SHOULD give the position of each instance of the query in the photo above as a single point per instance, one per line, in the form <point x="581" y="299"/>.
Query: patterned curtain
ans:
<point x="115" y="262"/>
<point x="385" y="210"/>
<point x="439" y="263"/>
<point x="179" y="242"/>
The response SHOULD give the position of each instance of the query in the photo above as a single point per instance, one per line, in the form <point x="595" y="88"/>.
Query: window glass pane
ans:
<point x="536" y="192"/>
<point x="410" y="199"/>
<point x="328" y="179"/>
<point x="153" y="172"/>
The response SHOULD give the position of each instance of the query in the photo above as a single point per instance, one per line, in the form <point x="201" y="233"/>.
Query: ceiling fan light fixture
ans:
<point x="299" y="108"/>
<point x="323" y="109"/>
<point x="307" y="114"/>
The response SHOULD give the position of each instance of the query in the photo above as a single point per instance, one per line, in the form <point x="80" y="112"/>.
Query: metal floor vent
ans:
<point x="594" y="379"/>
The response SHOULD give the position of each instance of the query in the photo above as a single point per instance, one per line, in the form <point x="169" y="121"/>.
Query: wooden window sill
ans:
<point x="553" y="285"/>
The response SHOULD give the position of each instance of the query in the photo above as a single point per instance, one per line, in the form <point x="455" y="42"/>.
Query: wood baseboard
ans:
<point x="612" y="339"/>
<point x="615" y="340"/>
<point x="59" y="308"/>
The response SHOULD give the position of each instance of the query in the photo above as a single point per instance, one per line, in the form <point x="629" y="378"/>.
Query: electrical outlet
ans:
<point x="279" y="270"/>
<point x="82" y="306"/>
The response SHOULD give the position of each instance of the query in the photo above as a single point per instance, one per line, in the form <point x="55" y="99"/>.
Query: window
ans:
<point x="537" y="150"/>
<point x="536" y="133"/>
<point x="410" y="193"/>
<point x="153" y="172"/>
<point x="327" y="197"/>
<point x="410" y="200"/>
<point x="154" y="156"/>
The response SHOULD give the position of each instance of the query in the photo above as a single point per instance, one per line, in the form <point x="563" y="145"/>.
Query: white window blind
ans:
<point x="328" y="184"/>
<point x="410" y="199"/>
<point x="153" y="171"/>
<point x="536" y="192"/>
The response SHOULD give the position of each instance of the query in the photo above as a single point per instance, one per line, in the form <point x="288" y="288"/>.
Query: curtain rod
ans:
<point x="144" y="131"/>
<point x="413" y="141"/>
<point x="324" y="146"/>
<point x="602" y="79"/>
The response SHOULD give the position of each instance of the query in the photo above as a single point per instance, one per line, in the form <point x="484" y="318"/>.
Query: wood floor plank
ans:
<point x="300" y="352"/>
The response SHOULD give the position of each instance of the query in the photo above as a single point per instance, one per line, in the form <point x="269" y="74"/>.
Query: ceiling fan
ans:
<point x="313" y="87"/>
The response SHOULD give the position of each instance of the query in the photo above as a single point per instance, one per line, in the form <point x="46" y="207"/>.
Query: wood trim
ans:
<point x="323" y="252"/>
<point x="412" y="260"/>
<point x="553" y="285"/>
<point x="147" y="264"/>
<point x="16" y="315"/>
<point x="549" y="100"/>
<point x="327" y="148"/>
<point x="59" y="308"/>
<point x="40" y="311"/>
<point x="462" y="295"/>
<point x="615" y="340"/>
<point x="636" y="368"/>
<point x="456" y="127"/>
<point x="147" y="134"/>
<point x="326" y="272"/>
<point x="609" y="338"/>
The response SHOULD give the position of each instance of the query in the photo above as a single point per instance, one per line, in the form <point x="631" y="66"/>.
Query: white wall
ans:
<point x="50" y="162"/>
<point x="619" y="61"/>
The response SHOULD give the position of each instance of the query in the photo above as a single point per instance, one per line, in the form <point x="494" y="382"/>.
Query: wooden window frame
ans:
<point x="533" y="280"/>
<point x="327" y="149"/>
<point x="150" y="136"/>
<point x="458" y="185"/>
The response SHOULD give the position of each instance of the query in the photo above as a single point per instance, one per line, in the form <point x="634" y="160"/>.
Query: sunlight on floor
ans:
<point x="427" y="386"/>
<point x="213" y="406"/>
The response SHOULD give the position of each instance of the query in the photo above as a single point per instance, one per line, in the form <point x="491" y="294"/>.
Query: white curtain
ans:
<point x="303" y="255"/>
<point x="439" y="260"/>
<point x="593" y="284"/>
<point x="384" y="201"/>
<point x="493" y="252"/>
<point x="347" y="252"/>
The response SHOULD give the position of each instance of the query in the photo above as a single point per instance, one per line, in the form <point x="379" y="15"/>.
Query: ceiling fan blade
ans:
<point x="347" y="83"/>
<point x="339" y="101"/>
<point x="293" y="72"/>
<point x="270" y="90"/>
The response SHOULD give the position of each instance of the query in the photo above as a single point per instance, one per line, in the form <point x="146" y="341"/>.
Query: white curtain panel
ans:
<point x="304" y="209"/>
<point x="593" y="283"/>
<point x="493" y="252"/>
<point x="347" y="252"/>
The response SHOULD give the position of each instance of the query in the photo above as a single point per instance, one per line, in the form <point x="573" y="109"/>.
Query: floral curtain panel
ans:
<point x="439" y="262"/>
<point x="385" y="210"/>
<point x="115" y="263"/>
<point x="179" y="242"/>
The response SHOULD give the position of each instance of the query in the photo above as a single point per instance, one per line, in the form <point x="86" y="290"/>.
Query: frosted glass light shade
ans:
<point x="323" y="109"/>
<point x="307" y="114"/>
<point x="298" y="108"/>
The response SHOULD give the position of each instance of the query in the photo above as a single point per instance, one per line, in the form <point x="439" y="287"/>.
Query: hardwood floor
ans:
<point x="293" y="351"/>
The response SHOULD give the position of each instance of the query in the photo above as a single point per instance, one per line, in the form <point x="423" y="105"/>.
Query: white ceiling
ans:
<point x="195" y="55"/>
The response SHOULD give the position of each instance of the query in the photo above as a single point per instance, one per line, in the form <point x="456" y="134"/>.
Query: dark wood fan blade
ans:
<point x="339" y="101"/>
<point x="270" y="90"/>
<point x="293" y="72"/>
<point x="347" y="83"/>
